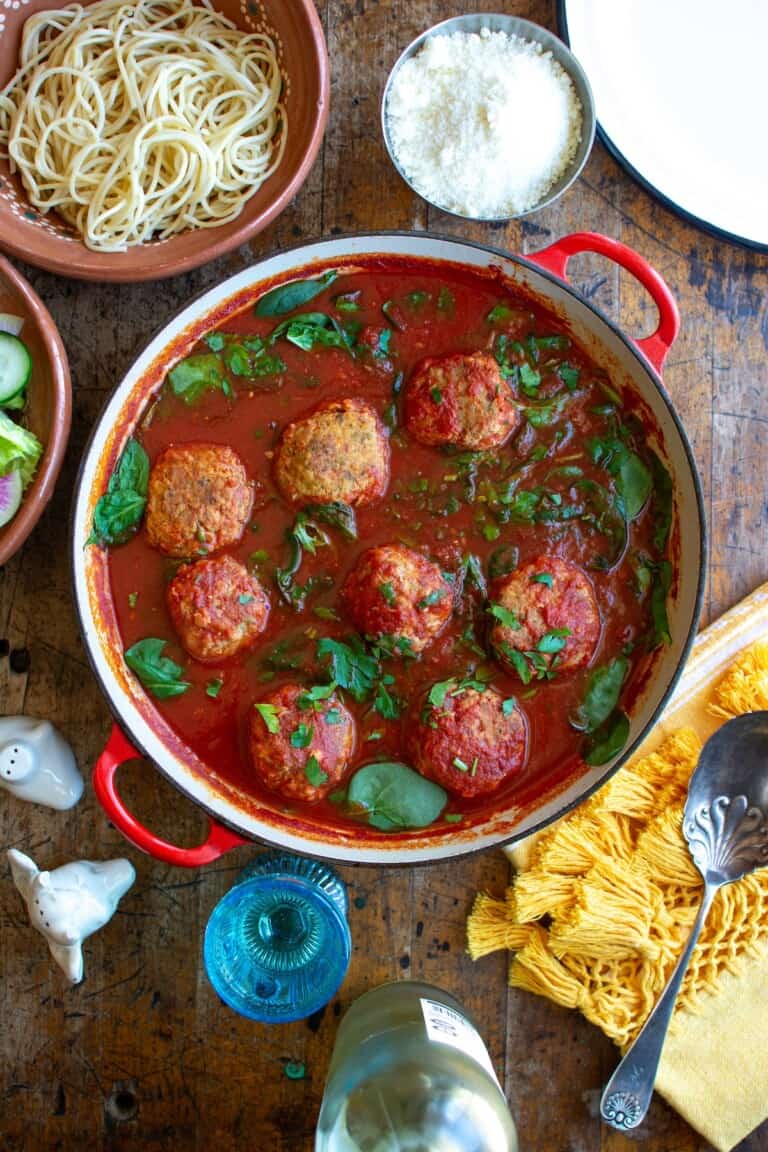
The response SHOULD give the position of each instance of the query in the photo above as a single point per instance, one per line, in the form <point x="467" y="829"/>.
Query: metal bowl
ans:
<point x="512" y="26"/>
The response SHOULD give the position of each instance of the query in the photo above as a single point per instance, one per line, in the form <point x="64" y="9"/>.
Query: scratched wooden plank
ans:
<point x="144" y="1054"/>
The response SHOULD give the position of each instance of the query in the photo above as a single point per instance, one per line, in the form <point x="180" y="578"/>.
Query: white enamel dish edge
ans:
<point x="605" y="343"/>
<point x="679" y="92"/>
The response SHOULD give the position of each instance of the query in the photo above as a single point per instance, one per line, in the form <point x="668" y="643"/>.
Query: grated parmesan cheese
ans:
<point x="483" y="124"/>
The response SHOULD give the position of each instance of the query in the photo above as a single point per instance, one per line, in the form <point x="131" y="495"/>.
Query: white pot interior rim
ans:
<point x="586" y="320"/>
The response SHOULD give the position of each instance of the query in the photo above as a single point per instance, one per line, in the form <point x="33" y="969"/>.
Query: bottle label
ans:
<point x="446" y="1026"/>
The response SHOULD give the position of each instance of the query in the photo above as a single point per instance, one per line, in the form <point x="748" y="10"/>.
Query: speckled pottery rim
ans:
<point x="238" y="818"/>
<point x="513" y="26"/>
<point x="47" y="242"/>
<point x="49" y="405"/>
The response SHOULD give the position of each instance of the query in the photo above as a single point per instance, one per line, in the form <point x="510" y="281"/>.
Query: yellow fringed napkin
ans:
<point x="600" y="910"/>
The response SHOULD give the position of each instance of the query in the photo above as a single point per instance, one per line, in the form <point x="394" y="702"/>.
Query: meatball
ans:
<point x="338" y="452"/>
<point x="461" y="400"/>
<point x="217" y="608"/>
<point x="394" y="591"/>
<point x="546" y="618"/>
<point x="300" y="748"/>
<point x="199" y="499"/>
<point x="469" y="741"/>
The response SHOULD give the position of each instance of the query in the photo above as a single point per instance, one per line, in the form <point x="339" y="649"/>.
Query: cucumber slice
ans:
<point x="10" y="496"/>
<point x="15" y="366"/>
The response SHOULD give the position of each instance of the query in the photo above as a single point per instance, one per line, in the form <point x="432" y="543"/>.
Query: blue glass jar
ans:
<point x="277" y="946"/>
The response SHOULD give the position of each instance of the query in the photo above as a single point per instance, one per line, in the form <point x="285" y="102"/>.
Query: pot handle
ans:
<point x="555" y="259"/>
<point x="118" y="750"/>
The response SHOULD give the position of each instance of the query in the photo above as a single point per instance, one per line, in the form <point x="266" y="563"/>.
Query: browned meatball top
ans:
<point x="217" y="608"/>
<point x="199" y="499"/>
<point x="300" y="748"/>
<point x="547" y="620"/>
<point x="338" y="452"/>
<point x="469" y="741"/>
<point x="395" y="591"/>
<point x="461" y="400"/>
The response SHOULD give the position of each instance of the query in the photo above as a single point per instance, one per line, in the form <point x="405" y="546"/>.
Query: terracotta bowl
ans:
<point x="49" y="401"/>
<point x="49" y="243"/>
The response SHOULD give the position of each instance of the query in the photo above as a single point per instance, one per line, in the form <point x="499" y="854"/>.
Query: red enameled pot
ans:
<point x="140" y="729"/>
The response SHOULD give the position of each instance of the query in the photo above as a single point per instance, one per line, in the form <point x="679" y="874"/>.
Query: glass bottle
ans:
<point x="277" y="946"/>
<point x="410" y="1073"/>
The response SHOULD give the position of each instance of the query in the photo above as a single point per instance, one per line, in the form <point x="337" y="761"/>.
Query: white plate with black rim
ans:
<point x="680" y="95"/>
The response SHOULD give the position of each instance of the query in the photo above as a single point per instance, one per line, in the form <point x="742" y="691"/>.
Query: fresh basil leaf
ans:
<point x="296" y="294"/>
<point x="659" y="592"/>
<point x="542" y="578"/>
<point x="336" y="515"/>
<point x="631" y="477"/>
<point x="307" y="534"/>
<point x="503" y="561"/>
<point x="633" y="485"/>
<point x="193" y="376"/>
<point x="215" y="341"/>
<point x="662" y="502"/>
<point x="159" y="675"/>
<point x="394" y="797"/>
<point x="119" y="511"/>
<point x="607" y="740"/>
<point x="602" y="695"/>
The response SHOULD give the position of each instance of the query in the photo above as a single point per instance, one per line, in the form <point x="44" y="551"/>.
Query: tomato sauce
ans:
<point x="448" y="505"/>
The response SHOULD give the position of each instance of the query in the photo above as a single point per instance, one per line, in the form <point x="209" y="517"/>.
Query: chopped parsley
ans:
<point x="436" y="395"/>
<point x="301" y="737"/>
<point x="213" y="687"/>
<point x="314" y="773"/>
<point x="542" y="578"/>
<point x="269" y="714"/>
<point x="508" y="706"/>
<point x="504" y="616"/>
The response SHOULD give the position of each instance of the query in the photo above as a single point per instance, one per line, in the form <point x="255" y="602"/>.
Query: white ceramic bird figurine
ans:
<point x="37" y="764"/>
<point x="71" y="902"/>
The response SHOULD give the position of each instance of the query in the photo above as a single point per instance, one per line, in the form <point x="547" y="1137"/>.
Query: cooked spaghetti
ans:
<point x="136" y="121"/>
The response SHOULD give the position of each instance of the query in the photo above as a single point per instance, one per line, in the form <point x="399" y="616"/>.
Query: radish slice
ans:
<point x="10" y="496"/>
<point x="11" y="324"/>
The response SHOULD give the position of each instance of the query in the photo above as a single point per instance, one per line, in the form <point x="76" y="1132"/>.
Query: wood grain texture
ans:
<point x="142" y="1054"/>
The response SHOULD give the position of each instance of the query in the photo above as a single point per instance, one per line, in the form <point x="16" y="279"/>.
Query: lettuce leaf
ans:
<point x="19" y="449"/>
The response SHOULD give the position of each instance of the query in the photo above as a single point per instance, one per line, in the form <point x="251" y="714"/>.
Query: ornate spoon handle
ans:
<point x="628" y="1092"/>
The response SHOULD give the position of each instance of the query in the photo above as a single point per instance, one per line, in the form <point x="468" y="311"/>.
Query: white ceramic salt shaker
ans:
<point x="71" y="902"/>
<point x="37" y="764"/>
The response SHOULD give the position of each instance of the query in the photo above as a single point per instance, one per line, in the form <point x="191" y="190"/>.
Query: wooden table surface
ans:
<point x="143" y="1054"/>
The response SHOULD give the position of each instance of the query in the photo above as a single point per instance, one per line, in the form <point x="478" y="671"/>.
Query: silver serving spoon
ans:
<point x="726" y="826"/>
